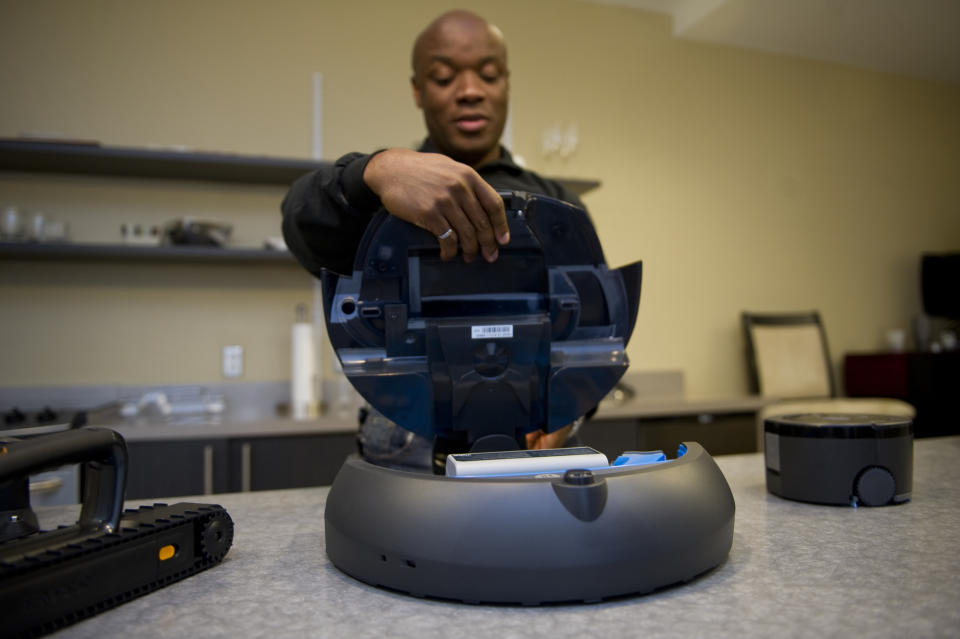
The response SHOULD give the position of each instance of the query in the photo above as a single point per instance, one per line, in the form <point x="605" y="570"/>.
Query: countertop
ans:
<point x="675" y="406"/>
<point x="139" y="431"/>
<point x="795" y="570"/>
<point x="327" y="424"/>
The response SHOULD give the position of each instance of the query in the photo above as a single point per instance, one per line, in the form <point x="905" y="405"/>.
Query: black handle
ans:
<point x="104" y="455"/>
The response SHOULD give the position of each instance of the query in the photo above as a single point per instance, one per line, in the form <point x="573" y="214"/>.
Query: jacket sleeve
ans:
<point x="326" y="212"/>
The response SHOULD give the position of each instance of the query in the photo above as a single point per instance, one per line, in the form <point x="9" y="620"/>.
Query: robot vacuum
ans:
<point x="840" y="459"/>
<point x="473" y="357"/>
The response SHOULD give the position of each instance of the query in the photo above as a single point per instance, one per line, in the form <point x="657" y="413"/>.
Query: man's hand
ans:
<point x="539" y="439"/>
<point x="439" y="194"/>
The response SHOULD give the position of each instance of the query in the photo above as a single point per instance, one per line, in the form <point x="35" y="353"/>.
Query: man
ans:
<point x="461" y="83"/>
<point x="449" y="186"/>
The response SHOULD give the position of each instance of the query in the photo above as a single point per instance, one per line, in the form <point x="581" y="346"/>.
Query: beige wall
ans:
<point x="743" y="180"/>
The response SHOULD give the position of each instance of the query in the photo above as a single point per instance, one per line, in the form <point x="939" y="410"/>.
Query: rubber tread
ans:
<point x="69" y="552"/>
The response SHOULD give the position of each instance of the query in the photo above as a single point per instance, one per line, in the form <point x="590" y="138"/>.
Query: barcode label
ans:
<point x="494" y="331"/>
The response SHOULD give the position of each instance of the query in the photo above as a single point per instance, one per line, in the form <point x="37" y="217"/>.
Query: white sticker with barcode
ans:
<point x="493" y="331"/>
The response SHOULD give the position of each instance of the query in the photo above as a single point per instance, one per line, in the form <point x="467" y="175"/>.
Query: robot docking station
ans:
<point x="472" y="357"/>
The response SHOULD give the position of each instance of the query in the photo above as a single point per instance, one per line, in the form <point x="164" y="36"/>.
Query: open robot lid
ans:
<point x="531" y="341"/>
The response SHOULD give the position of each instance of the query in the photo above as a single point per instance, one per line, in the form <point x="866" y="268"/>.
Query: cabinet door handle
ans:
<point x="245" y="467"/>
<point x="208" y="470"/>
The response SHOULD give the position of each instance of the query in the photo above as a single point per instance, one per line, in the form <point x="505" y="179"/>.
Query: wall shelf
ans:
<point x="126" y="252"/>
<point x="578" y="185"/>
<point x="94" y="159"/>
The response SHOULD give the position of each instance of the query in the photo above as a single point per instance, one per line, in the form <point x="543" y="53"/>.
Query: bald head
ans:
<point x="457" y="25"/>
<point x="460" y="82"/>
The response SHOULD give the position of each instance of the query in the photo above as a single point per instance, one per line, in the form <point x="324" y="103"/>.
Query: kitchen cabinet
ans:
<point x="170" y="468"/>
<point x="298" y="461"/>
<point x="178" y="467"/>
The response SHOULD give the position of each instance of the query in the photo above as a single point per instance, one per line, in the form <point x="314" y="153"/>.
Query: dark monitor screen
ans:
<point x="940" y="284"/>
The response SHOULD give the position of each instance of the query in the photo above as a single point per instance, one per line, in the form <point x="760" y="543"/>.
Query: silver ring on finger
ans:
<point x="445" y="234"/>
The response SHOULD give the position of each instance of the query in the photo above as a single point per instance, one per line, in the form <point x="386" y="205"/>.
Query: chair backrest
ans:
<point x="787" y="355"/>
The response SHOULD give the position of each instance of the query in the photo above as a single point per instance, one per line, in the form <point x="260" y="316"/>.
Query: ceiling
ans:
<point x="909" y="37"/>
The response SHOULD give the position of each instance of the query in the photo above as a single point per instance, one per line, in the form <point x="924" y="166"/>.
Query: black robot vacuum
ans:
<point x="839" y="458"/>
<point x="474" y="356"/>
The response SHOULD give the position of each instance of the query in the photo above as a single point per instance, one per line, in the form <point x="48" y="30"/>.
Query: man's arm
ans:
<point x="326" y="212"/>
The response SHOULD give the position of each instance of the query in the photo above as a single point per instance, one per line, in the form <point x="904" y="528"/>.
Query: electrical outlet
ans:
<point x="232" y="361"/>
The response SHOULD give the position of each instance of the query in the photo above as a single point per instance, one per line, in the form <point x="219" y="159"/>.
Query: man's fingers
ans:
<point x="448" y="244"/>
<point x="457" y="230"/>
<point x="485" y="208"/>
<point x="466" y="232"/>
<point x="480" y="224"/>
<point x="541" y="440"/>
<point x="493" y="205"/>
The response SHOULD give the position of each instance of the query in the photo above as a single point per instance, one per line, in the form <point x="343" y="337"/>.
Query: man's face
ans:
<point x="461" y="84"/>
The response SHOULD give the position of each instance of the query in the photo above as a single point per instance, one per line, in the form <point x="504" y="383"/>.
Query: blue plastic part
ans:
<point x="681" y="451"/>
<point x="631" y="458"/>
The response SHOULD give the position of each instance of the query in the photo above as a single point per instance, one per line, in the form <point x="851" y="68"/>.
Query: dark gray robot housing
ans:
<point x="840" y="459"/>
<point x="531" y="540"/>
<point x="481" y="354"/>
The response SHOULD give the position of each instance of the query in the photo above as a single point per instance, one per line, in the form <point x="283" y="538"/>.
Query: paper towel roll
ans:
<point x="303" y="373"/>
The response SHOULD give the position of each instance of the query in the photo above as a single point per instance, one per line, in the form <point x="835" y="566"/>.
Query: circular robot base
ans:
<point x="840" y="459"/>
<point x="554" y="537"/>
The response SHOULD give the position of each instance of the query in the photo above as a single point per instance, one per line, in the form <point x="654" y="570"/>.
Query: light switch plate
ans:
<point x="233" y="361"/>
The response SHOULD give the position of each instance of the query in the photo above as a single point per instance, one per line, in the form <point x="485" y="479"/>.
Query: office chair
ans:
<point x="789" y="362"/>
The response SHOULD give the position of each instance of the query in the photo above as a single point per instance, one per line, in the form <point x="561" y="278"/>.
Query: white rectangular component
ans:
<point x="524" y="462"/>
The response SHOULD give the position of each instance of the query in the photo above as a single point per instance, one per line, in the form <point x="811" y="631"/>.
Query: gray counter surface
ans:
<point x="795" y="570"/>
